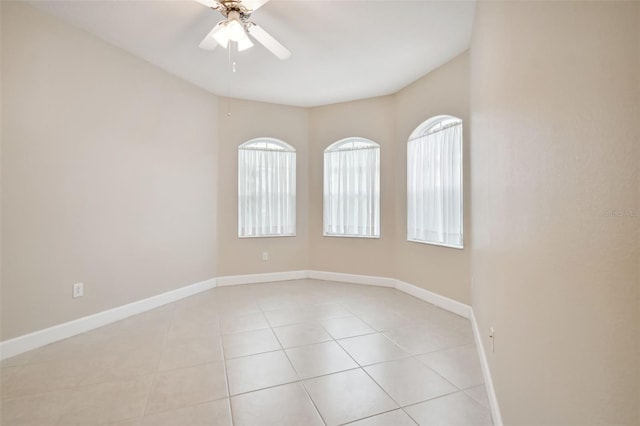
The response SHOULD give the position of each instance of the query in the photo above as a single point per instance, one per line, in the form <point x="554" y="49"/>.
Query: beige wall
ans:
<point x="389" y="121"/>
<point x="108" y="175"/>
<point x="443" y="270"/>
<point x="555" y="145"/>
<point x="249" y="120"/>
<point x="371" y="119"/>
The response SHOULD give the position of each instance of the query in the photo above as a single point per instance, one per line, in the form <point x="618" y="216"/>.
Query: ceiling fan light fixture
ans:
<point x="244" y="44"/>
<point x="236" y="27"/>
<point x="221" y="35"/>
<point x="235" y="30"/>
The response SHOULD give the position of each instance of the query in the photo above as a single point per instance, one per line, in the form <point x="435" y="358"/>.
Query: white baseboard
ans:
<point x="27" y="342"/>
<point x="351" y="278"/>
<point x="486" y="373"/>
<point x="261" y="278"/>
<point x="435" y="299"/>
<point x="415" y="291"/>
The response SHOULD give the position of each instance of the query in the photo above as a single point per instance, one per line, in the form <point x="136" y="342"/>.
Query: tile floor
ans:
<point x="287" y="353"/>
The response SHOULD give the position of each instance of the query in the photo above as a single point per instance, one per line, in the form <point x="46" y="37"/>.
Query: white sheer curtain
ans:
<point x="266" y="192"/>
<point x="434" y="187"/>
<point x="352" y="191"/>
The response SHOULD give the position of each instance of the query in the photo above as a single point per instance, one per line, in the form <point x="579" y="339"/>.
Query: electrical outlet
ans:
<point x="492" y="336"/>
<point x="78" y="290"/>
<point x="265" y="255"/>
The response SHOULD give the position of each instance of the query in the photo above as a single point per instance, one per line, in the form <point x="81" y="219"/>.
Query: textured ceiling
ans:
<point x="341" y="50"/>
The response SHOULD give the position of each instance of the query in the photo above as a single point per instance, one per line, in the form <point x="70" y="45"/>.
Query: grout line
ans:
<point x="300" y="381"/>
<point x="375" y="415"/>
<point x="411" y="356"/>
<point x="226" y="375"/>
<point x="155" y="372"/>
<point x="365" y="372"/>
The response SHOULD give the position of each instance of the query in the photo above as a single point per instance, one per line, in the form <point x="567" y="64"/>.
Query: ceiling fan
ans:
<point x="237" y="28"/>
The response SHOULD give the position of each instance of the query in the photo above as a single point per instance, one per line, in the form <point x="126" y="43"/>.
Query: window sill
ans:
<point x="266" y="236"/>
<point x="375" y="237"/>
<point x="431" y="243"/>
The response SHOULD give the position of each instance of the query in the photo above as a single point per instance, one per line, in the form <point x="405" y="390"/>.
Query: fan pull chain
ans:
<point x="232" y="69"/>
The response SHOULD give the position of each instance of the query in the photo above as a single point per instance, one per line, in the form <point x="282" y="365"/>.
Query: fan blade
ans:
<point x="265" y="39"/>
<point x="252" y="5"/>
<point x="210" y="43"/>
<point x="209" y="3"/>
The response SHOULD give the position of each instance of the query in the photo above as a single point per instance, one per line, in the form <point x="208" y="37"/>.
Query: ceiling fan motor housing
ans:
<point x="233" y="7"/>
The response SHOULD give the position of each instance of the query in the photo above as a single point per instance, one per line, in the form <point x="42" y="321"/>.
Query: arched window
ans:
<point x="266" y="188"/>
<point x="352" y="188"/>
<point x="434" y="182"/>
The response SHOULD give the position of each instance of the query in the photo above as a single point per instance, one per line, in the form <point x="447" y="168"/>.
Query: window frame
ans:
<point x="429" y="126"/>
<point x="280" y="146"/>
<point x="335" y="147"/>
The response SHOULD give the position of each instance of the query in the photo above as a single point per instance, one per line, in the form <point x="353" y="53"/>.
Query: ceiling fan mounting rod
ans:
<point x="227" y="6"/>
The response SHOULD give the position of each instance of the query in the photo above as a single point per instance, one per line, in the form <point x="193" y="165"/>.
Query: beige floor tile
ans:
<point x="460" y="365"/>
<point x="127" y="422"/>
<point x="479" y="394"/>
<point x="259" y="371"/>
<point x="282" y="405"/>
<point x="118" y="342"/>
<point x="237" y="305"/>
<point x="364" y="305"/>
<point x="327" y="311"/>
<point x="249" y="343"/>
<point x="234" y="323"/>
<point x="348" y="396"/>
<point x="340" y="328"/>
<point x="153" y="321"/>
<point x="6" y="375"/>
<point x="372" y="349"/>
<point x="385" y="319"/>
<point x="320" y="358"/>
<point x="301" y="334"/>
<point x="278" y="301"/>
<point x="17" y="360"/>
<point x="138" y="362"/>
<point x="196" y="314"/>
<point x="448" y="320"/>
<point x="79" y="346"/>
<point x="408" y="381"/>
<point x="454" y="337"/>
<point x="417" y="339"/>
<point x="187" y="386"/>
<point x="215" y="413"/>
<point x="49" y="376"/>
<point x="43" y="409"/>
<point x="415" y="310"/>
<point x="107" y="402"/>
<point x="193" y="329"/>
<point x="390" y="418"/>
<point x="186" y="352"/>
<point x="456" y="409"/>
<point x="282" y="317"/>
